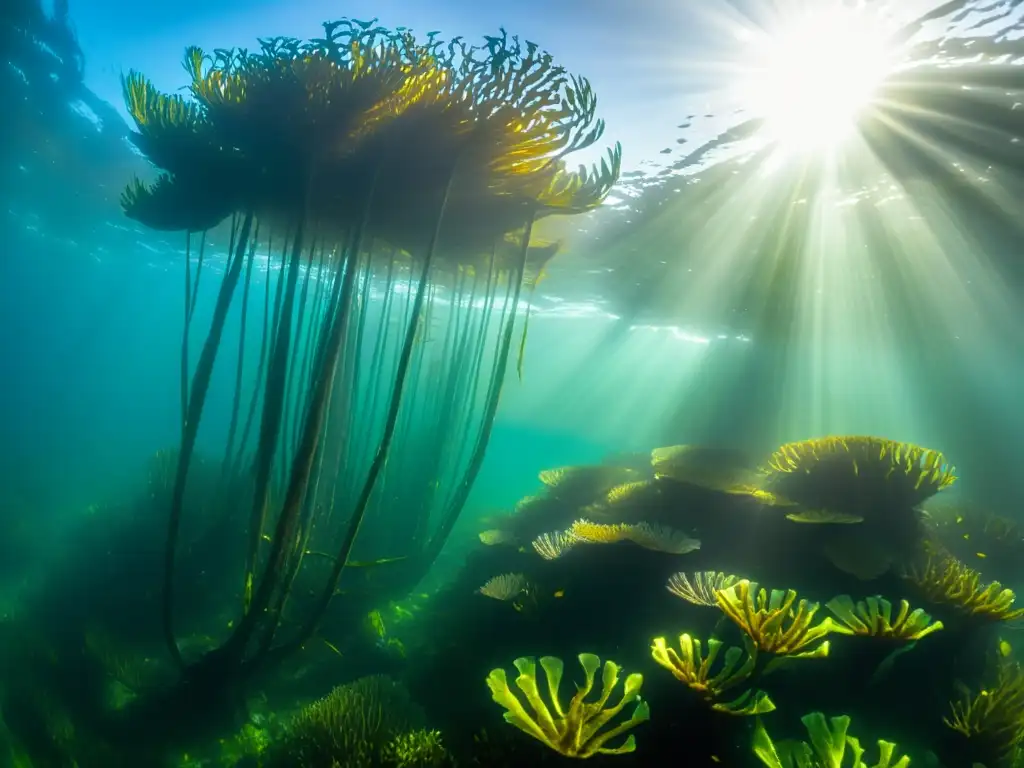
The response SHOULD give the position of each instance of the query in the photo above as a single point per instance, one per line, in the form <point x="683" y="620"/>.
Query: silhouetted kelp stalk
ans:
<point x="444" y="393"/>
<point x="357" y="144"/>
<point x="191" y="296"/>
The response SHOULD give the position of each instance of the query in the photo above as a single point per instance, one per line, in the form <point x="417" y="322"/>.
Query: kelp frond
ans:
<point x="415" y="749"/>
<point x="169" y="204"/>
<point x="364" y="98"/>
<point x="584" y="482"/>
<point x="155" y="112"/>
<point x="799" y="471"/>
<point x="717" y="469"/>
<point x="623" y="493"/>
<point x="589" y="532"/>
<point x="583" y="189"/>
<point x="690" y="666"/>
<point x="659" y="538"/>
<point x="990" y="719"/>
<point x="578" y="728"/>
<point x="507" y="586"/>
<point x="494" y="537"/>
<point x="944" y="580"/>
<point x="775" y="622"/>
<point x="555" y="544"/>
<point x="873" y="617"/>
<point x="700" y="588"/>
<point x="828" y="747"/>
<point x="354" y="723"/>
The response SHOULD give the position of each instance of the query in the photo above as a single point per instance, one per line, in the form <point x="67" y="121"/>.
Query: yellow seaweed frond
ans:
<point x="990" y="718"/>
<point x="690" y="666"/>
<point x="824" y="517"/>
<point x="700" y="589"/>
<point x="415" y="749"/>
<point x="526" y="503"/>
<point x="829" y="742"/>
<point x="505" y="111"/>
<point x="658" y="538"/>
<point x="661" y="538"/>
<point x="947" y="581"/>
<point x="153" y="111"/>
<point x="768" y="498"/>
<point x="717" y="469"/>
<point x="507" y="586"/>
<point x="576" y="729"/>
<point x="775" y="622"/>
<point x="918" y="473"/>
<point x="599" y="533"/>
<point x="354" y="722"/>
<point x="624" y="492"/>
<point x="590" y="482"/>
<point x="583" y="190"/>
<point x="553" y="477"/>
<point x="554" y="544"/>
<point x="495" y="536"/>
<point x="873" y="617"/>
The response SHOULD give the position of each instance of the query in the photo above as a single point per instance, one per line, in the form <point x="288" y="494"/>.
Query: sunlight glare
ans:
<point x="811" y="77"/>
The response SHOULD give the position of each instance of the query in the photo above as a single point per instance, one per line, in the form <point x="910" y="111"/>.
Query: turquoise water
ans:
<point x="741" y="346"/>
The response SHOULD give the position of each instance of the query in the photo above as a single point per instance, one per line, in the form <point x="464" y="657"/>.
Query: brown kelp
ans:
<point x="400" y="181"/>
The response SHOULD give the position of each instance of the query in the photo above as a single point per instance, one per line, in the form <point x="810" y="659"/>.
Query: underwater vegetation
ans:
<point x="361" y="157"/>
<point x="693" y="668"/>
<point x="987" y="722"/>
<point x="975" y="534"/>
<point x="949" y="582"/>
<point x="575" y="729"/>
<point x="762" y="609"/>
<point x="826" y="639"/>
<point x="364" y="164"/>
<point x="371" y="721"/>
<point x="829" y="745"/>
<point x="712" y="617"/>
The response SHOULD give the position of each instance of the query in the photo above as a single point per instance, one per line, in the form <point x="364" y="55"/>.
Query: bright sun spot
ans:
<point x="810" y="78"/>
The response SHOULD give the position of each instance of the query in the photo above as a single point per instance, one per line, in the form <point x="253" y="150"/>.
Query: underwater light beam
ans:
<point x="852" y="234"/>
<point x="812" y="74"/>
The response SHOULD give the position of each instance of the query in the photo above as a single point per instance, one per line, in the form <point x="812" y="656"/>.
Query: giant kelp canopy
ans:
<point x="400" y="181"/>
<point x="302" y="129"/>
